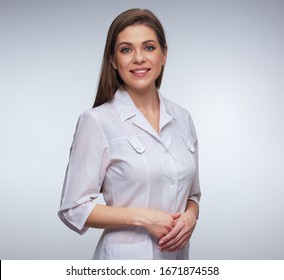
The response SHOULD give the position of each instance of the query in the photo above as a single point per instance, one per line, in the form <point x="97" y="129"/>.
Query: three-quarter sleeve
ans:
<point x="195" y="192"/>
<point x="88" y="160"/>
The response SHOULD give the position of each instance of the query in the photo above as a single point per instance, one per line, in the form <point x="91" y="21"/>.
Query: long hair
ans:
<point x="110" y="80"/>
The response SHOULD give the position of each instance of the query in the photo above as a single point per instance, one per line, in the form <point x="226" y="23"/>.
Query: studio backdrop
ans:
<point x="225" y="65"/>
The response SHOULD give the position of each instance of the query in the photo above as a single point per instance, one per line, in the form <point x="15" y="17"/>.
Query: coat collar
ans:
<point x="127" y="110"/>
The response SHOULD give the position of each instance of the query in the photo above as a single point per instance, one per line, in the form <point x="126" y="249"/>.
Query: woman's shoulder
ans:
<point x="177" y="110"/>
<point x="98" y="113"/>
<point x="92" y="118"/>
<point x="182" y="117"/>
<point x="103" y="118"/>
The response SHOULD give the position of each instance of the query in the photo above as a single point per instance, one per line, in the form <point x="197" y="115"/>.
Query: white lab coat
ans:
<point x="117" y="152"/>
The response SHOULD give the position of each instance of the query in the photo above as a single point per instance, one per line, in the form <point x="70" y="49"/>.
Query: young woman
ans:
<point x="138" y="149"/>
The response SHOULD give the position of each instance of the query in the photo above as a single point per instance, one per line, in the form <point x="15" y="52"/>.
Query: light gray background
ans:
<point x="225" y="65"/>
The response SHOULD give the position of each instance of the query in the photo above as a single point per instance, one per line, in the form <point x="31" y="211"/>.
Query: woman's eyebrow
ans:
<point x="143" y="43"/>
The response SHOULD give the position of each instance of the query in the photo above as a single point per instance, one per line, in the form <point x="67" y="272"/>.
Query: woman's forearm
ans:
<point x="113" y="217"/>
<point x="192" y="207"/>
<point x="157" y="223"/>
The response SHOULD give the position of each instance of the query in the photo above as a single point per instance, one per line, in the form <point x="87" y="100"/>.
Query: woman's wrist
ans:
<point x="139" y="218"/>
<point x="192" y="209"/>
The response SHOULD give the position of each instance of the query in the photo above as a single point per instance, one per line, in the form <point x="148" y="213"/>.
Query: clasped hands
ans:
<point x="172" y="230"/>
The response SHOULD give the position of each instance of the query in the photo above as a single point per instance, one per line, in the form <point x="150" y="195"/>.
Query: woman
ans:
<point x="138" y="149"/>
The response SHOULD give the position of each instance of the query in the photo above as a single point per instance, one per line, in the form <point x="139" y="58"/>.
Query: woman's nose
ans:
<point x="138" y="57"/>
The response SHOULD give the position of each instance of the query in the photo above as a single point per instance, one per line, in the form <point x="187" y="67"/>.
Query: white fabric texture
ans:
<point x="116" y="151"/>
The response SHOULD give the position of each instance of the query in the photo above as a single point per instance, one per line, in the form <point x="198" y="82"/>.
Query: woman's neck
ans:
<point x="146" y="100"/>
<point x="148" y="103"/>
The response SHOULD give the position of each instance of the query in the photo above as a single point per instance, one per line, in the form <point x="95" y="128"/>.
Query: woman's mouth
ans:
<point x="140" y="72"/>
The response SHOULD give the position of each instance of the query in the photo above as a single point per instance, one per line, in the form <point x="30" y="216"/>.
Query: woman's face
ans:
<point x="138" y="57"/>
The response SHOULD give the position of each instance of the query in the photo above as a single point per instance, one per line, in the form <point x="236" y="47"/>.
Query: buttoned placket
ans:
<point x="128" y="110"/>
<point x="165" y="118"/>
<point x="140" y="121"/>
<point x="170" y="166"/>
<point x="172" y="178"/>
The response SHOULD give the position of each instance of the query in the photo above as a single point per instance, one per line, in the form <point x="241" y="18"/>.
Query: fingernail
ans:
<point x="161" y="242"/>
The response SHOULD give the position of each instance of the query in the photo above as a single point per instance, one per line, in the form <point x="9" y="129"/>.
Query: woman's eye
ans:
<point x="125" y="50"/>
<point x="150" y="48"/>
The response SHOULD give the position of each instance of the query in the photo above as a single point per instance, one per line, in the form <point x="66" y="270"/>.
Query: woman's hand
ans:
<point x="180" y="234"/>
<point x="158" y="223"/>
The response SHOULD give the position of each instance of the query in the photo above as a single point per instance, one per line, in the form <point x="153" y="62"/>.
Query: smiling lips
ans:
<point x="140" y="72"/>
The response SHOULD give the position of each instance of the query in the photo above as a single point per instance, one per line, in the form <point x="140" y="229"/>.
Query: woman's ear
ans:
<point x="165" y="52"/>
<point x="113" y="63"/>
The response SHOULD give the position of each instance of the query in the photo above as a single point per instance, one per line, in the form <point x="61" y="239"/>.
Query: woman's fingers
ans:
<point x="176" y="244"/>
<point x="173" y="233"/>
<point x="159" y="223"/>
<point x="175" y="215"/>
<point x="179" y="235"/>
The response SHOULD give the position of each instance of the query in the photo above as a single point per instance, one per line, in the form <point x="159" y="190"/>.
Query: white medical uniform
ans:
<point x="117" y="152"/>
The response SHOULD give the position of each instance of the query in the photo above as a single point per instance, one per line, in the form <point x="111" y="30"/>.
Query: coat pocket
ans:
<point x="136" y="144"/>
<point x="128" y="251"/>
<point x="189" y="144"/>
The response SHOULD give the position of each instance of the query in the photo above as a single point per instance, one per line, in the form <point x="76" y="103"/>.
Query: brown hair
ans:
<point x="110" y="80"/>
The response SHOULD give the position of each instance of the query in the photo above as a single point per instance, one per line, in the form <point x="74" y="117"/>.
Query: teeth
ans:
<point x="140" y="71"/>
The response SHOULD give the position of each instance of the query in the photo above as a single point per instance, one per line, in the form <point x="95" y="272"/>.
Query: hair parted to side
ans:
<point x="110" y="80"/>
